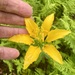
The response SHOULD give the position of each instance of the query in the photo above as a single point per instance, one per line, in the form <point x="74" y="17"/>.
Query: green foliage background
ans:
<point x="64" y="19"/>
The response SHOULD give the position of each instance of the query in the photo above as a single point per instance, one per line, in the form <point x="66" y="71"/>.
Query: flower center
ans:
<point x="39" y="43"/>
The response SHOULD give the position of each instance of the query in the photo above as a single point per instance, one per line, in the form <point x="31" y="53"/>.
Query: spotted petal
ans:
<point x="31" y="56"/>
<point x="56" y="34"/>
<point x="47" y="24"/>
<point x="32" y="27"/>
<point x="22" y="38"/>
<point x="53" y="53"/>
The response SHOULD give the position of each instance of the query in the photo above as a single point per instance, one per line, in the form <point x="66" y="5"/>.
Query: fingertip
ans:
<point x="15" y="53"/>
<point x="28" y="10"/>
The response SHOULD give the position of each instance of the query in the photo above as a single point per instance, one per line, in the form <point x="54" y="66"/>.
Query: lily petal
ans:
<point x="56" y="34"/>
<point x="53" y="53"/>
<point x="32" y="27"/>
<point x="31" y="56"/>
<point x="47" y="24"/>
<point x="22" y="38"/>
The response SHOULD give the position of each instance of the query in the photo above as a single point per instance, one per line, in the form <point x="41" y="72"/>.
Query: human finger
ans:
<point x="12" y="19"/>
<point x="8" y="53"/>
<point x="16" y="7"/>
<point x="6" y="32"/>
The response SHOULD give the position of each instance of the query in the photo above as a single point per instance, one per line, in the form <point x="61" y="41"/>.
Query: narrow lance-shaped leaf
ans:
<point x="32" y="27"/>
<point x="21" y="38"/>
<point x="53" y="53"/>
<point x="47" y="24"/>
<point x="31" y="56"/>
<point x="56" y="34"/>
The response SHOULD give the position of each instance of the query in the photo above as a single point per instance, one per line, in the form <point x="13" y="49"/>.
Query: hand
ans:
<point x="12" y="12"/>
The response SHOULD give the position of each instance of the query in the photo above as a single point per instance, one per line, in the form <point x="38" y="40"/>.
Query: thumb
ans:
<point x="8" y="53"/>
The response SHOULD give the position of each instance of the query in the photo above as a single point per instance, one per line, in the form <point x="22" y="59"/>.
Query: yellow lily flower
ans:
<point x="39" y="39"/>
